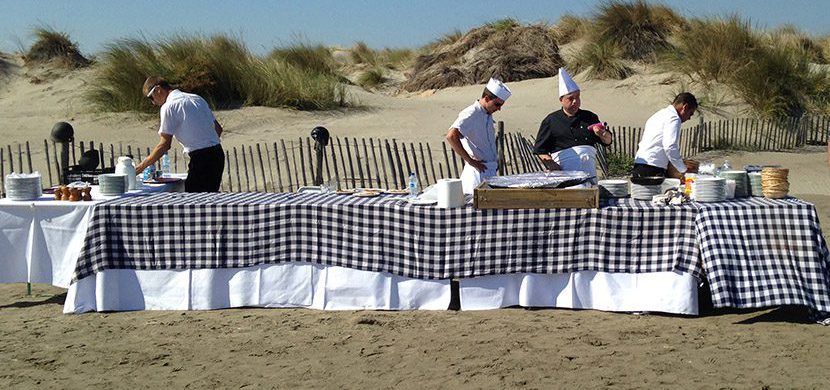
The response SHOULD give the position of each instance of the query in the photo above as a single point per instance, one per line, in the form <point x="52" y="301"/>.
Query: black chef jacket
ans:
<point x="558" y="131"/>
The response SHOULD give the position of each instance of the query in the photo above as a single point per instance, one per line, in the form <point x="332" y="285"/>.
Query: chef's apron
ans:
<point x="471" y="177"/>
<point x="577" y="158"/>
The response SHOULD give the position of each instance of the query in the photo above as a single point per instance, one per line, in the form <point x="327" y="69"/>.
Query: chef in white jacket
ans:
<point x="660" y="145"/>
<point x="473" y="135"/>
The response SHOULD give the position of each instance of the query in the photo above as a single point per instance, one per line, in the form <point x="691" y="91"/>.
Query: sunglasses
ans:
<point x="498" y="104"/>
<point x="150" y="94"/>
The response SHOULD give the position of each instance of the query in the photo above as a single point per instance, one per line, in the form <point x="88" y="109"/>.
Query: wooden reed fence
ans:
<point x="287" y="164"/>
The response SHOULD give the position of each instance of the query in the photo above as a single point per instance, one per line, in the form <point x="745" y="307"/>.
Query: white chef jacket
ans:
<point x="479" y="140"/>
<point x="188" y="118"/>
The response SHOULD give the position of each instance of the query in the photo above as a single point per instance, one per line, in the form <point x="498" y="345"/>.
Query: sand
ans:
<point x="301" y="348"/>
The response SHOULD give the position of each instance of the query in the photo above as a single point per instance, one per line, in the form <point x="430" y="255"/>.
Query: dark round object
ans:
<point x="89" y="160"/>
<point x="321" y="135"/>
<point x="648" y="180"/>
<point x="62" y="132"/>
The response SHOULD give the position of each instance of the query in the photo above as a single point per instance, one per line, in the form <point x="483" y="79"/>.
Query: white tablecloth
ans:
<point x="40" y="239"/>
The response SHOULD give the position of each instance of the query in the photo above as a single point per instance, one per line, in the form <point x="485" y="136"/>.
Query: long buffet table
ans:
<point x="204" y="251"/>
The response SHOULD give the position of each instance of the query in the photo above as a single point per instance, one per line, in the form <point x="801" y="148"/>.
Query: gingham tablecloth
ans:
<point x="384" y="234"/>
<point x="761" y="252"/>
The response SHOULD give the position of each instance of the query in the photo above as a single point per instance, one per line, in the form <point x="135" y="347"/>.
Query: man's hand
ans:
<point x="480" y="166"/>
<point x="548" y="162"/>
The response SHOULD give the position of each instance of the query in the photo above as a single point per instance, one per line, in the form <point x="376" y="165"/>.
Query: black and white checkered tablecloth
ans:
<point x="761" y="252"/>
<point x="182" y="231"/>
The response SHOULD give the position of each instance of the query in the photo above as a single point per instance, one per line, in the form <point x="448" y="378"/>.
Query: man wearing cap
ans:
<point x="659" y="145"/>
<point x="567" y="136"/>
<point x="189" y="118"/>
<point x="473" y="135"/>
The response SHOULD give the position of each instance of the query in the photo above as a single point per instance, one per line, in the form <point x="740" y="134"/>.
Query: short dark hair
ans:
<point x="489" y="95"/>
<point x="153" y="81"/>
<point x="687" y="98"/>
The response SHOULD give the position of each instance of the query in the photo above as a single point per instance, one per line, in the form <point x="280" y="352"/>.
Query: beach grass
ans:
<point x="570" y="28"/>
<point x="54" y="46"/>
<point x="371" y="78"/>
<point x="220" y="69"/>
<point x="639" y="29"/>
<point x="601" y="60"/>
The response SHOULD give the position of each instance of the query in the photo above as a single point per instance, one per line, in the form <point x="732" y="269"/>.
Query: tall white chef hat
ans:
<point x="566" y="83"/>
<point x="499" y="89"/>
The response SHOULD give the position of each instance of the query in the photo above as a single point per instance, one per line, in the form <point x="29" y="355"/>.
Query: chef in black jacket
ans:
<point x="567" y="136"/>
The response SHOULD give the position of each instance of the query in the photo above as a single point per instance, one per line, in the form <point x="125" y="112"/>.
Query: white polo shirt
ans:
<point x="661" y="136"/>
<point x="476" y="125"/>
<point x="187" y="117"/>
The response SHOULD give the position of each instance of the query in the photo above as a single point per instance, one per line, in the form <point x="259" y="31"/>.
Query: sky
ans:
<point x="263" y="25"/>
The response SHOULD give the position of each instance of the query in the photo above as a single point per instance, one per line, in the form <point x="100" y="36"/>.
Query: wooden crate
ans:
<point x="486" y="197"/>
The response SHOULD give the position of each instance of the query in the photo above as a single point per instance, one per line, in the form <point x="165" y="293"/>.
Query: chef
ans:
<point x="567" y="136"/>
<point x="473" y="136"/>
<point x="660" y="144"/>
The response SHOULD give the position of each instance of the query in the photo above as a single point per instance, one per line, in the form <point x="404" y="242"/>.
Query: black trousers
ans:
<point x="204" y="171"/>
<point x="645" y="170"/>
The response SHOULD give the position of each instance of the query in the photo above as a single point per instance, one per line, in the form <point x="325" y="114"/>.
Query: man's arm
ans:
<point x="454" y="139"/>
<point x="217" y="127"/>
<point x="163" y="146"/>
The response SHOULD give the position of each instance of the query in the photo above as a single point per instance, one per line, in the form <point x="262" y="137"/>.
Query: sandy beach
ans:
<point x="301" y="348"/>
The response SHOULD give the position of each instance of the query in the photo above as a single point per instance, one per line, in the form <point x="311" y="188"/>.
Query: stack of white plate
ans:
<point x="112" y="184"/>
<point x="24" y="186"/>
<point x="613" y="188"/>
<point x="710" y="189"/>
<point x="741" y="182"/>
<point x="755" y="184"/>
<point x="643" y="192"/>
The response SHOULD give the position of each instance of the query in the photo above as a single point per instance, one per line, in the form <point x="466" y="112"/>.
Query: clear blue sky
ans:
<point x="263" y="25"/>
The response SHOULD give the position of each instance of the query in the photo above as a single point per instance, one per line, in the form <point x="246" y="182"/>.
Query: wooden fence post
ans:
<point x="500" y="147"/>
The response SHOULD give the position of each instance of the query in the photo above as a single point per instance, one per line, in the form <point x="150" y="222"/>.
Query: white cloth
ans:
<point x="479" y="134"/>
<point x="667" y="292"/>
<point x="577" y="158"/>
<point x="566" y="83"/>
<point x="471" y="177"/>
<point x="294" y="284"/>
<point x="660" y="143"/>
<point x="188" y="118"/>
<point x="499" y="89"/>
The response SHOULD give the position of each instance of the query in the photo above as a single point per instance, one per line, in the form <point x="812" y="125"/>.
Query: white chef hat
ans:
<point x="566" y="83"/>
<point x="499" y="89"/>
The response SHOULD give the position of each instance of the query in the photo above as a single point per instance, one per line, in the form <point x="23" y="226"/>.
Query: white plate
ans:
<point x="421" y="202"/>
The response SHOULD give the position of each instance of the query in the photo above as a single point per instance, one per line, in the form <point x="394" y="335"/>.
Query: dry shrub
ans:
<point x="507" y="52"/>
<point x="317" y="58"/>
<point x="54" y="46"/>
<point x="639" y="29"/>
<point x="371" y="78"/>
<point x="363" y="54"/>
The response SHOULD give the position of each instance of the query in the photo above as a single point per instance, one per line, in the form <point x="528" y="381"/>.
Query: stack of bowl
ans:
<point x="741" y="182"/>
<point x="24" y="186"/>
<point x="112" y="184"/>
<point x="644" y="188"/>
<point x="613" y="188"/>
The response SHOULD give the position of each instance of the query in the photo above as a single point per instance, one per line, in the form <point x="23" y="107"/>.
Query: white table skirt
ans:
<point x="667" y="292"/>
<point x="296" y="284"/>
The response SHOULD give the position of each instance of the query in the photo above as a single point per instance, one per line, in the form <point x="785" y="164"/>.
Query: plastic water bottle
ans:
<point x="148" y="173"/>
<point x="165" y="165"/>
<point x="413" y="185"/>
<point x="725" y="166"/>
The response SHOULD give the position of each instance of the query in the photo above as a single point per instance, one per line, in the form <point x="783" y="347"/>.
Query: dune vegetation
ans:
<point x="52" y="46"/>
<point x="780" y="72"/>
